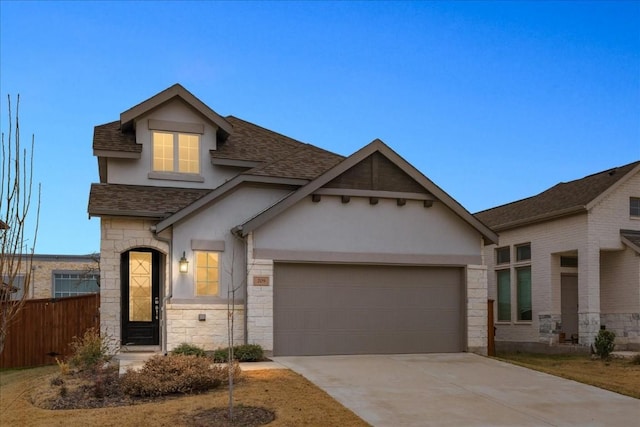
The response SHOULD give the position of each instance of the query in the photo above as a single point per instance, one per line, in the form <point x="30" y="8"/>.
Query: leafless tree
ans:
<point x="16" y="243"/>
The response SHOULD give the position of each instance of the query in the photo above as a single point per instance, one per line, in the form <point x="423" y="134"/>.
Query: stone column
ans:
<point x="476" y="314"/>
<point x="588" y="293"/>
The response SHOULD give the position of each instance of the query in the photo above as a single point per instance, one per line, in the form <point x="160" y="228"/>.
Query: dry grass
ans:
<point x="618" y="375"/>
<point x="295" y="401"/>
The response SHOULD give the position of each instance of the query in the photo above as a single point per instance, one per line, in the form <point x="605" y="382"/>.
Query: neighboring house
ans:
<point x="58" y="276"/>
<point x="568" y="263"/>
<point x="324" y="254"/>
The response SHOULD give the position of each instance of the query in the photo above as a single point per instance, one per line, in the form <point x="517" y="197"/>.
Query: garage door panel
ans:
<point x="347" y="309"/>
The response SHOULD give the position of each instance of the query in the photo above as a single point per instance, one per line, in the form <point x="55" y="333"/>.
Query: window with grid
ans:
<point x="503" y="278"/>
<point x="523" y="286"/>
<point x="69" y="284"/>
<point x="207" y="273"/>
<point x="176" y="152"/>
<point x="503" y="255"/>
<point x="634" y="206"/>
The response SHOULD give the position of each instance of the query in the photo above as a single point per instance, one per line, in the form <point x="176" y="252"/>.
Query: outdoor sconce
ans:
<point x="183" y="264"/>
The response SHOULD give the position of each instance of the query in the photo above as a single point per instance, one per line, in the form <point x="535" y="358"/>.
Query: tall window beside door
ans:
<point x="207" y="273"/>
<point x="513" y="283"/>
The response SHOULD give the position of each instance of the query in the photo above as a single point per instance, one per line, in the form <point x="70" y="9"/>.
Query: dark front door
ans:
<point x="140" y="297"/>
<point x="569" y="304"/>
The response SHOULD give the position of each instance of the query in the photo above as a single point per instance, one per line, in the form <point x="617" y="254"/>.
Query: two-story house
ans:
<point x="316" y="253"/>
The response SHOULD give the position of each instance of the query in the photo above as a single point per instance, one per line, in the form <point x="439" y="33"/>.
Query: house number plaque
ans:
<point x="260" y="280"/>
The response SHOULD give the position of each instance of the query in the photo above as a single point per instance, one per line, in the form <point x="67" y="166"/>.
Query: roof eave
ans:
<point x="613" y="187"/>
<point x="118" y="154"/>
<point x="344" y="165"/>
<point x="127" y="117"/>
<point x="540" y="218"/>
<point x="126" y="213"/>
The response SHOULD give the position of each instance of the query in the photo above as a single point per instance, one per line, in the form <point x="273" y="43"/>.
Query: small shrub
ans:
<point x="248" y="353"/>
<point x="635" y="360"/>
<point x="64" y="391"/>
<point x="64" y="366"/>
<point x="89" y="351"/>
<point x="187" y="349"/>
<point x="176" y="374"/>
<point x="241" y="353"/>
<point x="604" y="343"/>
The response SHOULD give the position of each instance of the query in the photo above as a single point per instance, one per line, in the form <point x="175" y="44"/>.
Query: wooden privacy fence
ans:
<point x="43" y="329"/>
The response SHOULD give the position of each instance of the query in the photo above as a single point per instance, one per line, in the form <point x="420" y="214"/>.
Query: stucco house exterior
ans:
<point x="568" y="263"/>
<point x="317" y="253"/>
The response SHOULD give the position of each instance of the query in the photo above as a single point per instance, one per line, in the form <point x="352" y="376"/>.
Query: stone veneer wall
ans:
<point x="477" y="309"/>
<point x="184" y="325"/>
<point x="259" y="300"/>
<point x="626" y="327"/>
<point x="117" y="236"/>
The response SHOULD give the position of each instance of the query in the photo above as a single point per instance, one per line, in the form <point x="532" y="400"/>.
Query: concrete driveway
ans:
<point x="460" y="390"/>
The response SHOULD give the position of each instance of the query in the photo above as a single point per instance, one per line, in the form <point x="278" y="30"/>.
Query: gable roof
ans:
<point x="376" y="146"/>
<point x="563" y="199"/>
<point x="175" y="91"/>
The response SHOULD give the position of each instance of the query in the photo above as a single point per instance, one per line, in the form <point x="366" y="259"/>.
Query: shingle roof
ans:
<point x="632" y="238"/>
<point x="279" y="155"/>
<point x="109" y="137"/>
<point x="562" y="199"/>
<point x="252" y="142"/>
<point x="138" y="200"/>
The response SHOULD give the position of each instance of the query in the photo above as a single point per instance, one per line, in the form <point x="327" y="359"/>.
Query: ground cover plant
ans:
<point x="615" y="374"/>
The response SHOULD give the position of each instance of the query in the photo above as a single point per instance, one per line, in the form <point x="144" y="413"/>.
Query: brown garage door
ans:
<point x="356" y="309"/>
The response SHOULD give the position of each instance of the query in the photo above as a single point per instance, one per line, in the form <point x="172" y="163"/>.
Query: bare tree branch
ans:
<point x="16" y="255"/>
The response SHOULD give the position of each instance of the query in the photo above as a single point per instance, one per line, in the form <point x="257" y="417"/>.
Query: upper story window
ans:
<point x="523" y="252"/>
<point x="634" y="206"/>
<point x="503" y="255"/>
<point x="176" y="152"/>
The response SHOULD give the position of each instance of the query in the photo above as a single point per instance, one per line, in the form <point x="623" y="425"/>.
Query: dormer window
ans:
<point x="176" y="152"/>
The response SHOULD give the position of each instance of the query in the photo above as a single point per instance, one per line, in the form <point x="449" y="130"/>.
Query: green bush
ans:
<point x="241" y="353"/>
<point x="176" y="374"/>
<point x="89" y="351"/>
<point x="186" y="349"/>
<point x="605" y="343"/>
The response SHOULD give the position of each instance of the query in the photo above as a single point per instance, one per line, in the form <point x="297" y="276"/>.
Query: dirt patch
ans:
<point x="246" y="416"/>
<point x="293" y="400"/>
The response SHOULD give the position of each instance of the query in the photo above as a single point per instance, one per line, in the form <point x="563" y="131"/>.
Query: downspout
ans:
<point x="169" y="294"/>
<point x="237" y="233"/>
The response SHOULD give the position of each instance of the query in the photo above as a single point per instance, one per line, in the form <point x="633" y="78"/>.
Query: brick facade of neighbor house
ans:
<point x="586" y="221"/>
<point x="43" y="268"/>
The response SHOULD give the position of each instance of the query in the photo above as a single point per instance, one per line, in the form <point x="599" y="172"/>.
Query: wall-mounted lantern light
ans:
<point x="183" y="264"/>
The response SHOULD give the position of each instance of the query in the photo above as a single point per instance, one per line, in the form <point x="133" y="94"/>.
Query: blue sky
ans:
<point x="493" y="101"/>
